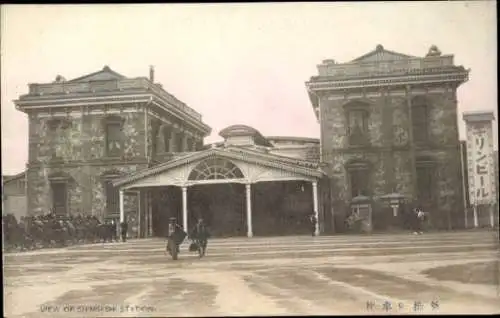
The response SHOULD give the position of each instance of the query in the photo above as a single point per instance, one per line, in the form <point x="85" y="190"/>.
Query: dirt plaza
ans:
<point x="455" y="272"/>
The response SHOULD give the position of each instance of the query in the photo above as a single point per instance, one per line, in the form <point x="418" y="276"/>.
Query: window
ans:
<point x="59" y="198"/>
<point x="58" y="136"/>
<point x="420" y="117"/>
<point x="112" y="197"/>
<point x="188" y="144"/>
<point x="357" y="123"/>
<point x="199" y="145"/>
<point x="194" y="144"/>
<point x="358" y="179"/>
<point x="358" y="174"/>
<point x="154" y="141"/>
<point x="167" y="135"/>
<point x="425" y="183"/>
<point x="215" y="168"/>
<point x="179" y="142"/>
<point x="114" y="140"/>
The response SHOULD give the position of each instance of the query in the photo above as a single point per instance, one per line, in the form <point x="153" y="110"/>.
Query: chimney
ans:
<point x="152" y="73"/>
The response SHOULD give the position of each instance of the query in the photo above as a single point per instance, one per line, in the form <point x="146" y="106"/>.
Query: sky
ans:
<point x="234" y="63"/>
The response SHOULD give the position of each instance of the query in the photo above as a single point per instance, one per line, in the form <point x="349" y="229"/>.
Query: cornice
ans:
<point x="402" y="148"/>
<point x="78" y="101"/>
<point x="185" y="113"/>
<point x="94" y="162"/>
<point x="341" y="84"/>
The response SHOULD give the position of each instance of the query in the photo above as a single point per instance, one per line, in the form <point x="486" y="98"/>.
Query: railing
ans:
<point x="88" y="87"/>
<point x="108" y="86"/>
<point x="384" y="67"/>
<point x="171" y="99"/>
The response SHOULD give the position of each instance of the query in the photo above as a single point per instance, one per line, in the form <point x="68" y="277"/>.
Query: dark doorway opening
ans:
<point x="166" y="203"/>
<point x="222" y="207"/>
<point x="282" y="208"/>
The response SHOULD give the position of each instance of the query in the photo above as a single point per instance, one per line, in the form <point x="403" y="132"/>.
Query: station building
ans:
<point x="118" y="147"/>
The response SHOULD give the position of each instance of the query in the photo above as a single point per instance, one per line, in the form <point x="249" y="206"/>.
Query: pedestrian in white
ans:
<point x="420" y="220"/>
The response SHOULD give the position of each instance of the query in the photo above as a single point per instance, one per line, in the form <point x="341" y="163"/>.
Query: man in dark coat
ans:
<point x="176" y="233"/>
<point x="199" y="234"/>
<point x="124" y="229"/>
<point x="114" y="230"/>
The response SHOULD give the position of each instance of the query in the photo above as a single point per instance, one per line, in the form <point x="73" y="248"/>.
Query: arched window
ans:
<point x="420" y="119"/>
<point x="357" y="123"/>
<point x="215" y="168"/>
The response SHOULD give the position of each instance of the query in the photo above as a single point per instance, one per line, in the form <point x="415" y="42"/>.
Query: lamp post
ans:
<point x="394" y="199"/>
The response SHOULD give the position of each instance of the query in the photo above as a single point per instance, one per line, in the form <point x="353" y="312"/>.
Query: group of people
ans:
<point x="199" y="236"/>
<point x="50" y="230"/>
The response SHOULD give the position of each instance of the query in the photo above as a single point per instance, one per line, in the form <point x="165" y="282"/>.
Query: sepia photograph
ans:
<point x="249" y="159"/>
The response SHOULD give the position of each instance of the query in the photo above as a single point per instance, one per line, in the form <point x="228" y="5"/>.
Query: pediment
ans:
<point x="106" y="74"/>
<point x="178" y="171"/>
<point x="381" y="55"/>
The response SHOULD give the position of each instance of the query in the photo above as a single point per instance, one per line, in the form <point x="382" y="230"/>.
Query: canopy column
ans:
<point x="122" y="208"/>
<point x="249" y="209"/>
<point x="315" y="202"/>
<point x="149" y="227"/>
<point x="184" y="209"/>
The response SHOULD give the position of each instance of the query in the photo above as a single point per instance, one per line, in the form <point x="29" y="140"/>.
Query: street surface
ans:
<point x="378" y="274"/>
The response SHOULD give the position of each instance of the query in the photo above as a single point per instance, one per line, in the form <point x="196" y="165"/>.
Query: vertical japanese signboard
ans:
<point x="480" y="164"/>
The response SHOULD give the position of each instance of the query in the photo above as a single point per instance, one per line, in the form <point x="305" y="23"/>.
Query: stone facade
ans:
<point x="68" y="139"/>
<point x="386" y="85"/>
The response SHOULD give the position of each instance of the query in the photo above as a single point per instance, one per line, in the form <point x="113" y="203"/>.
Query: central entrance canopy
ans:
<point x="235" y="171"/>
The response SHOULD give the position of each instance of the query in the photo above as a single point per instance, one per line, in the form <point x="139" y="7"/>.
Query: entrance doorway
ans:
<point x="222" y="207"/>
<point x="166" y="203"/>
<point x="282" y="208"/>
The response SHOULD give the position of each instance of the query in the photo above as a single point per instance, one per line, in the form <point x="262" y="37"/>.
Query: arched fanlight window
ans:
<point x="215" y="168"/>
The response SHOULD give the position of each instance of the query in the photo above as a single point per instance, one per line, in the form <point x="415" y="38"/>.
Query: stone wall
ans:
<point x="83" y="138"/>
<point x="86" y="193"/>
<point x="77" y="149"/>
<point x="388" y="153"/>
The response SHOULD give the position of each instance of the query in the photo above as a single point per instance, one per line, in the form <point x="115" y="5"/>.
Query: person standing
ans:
<point x="313" y="221"/>
<point x="418" y="216"/>
<point x="199" y="235"/>
<point x="175" y="237"/>
<point x="114" y="230"/>
<point x="420" y="220"/>
<point x="124" y="229"/>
